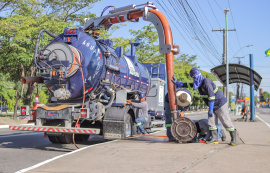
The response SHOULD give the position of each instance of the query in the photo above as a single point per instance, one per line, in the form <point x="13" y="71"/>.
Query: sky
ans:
<point x="248" y="17"/>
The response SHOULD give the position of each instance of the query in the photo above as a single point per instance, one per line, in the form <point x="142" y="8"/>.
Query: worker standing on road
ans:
<point x="142" y="113"/>
<point x="218" y="104"/>
<point x="184" y="98"/>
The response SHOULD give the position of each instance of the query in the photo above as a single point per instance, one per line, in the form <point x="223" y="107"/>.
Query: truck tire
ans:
<point x="65" y="138"/>
<point x="54" y="139"/>
<point x="130" y="126"/>
<point x="81" y="138"/>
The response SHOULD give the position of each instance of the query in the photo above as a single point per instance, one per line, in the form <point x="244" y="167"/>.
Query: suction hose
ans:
<point x="112" y="96"/>
<point x="37" y="42"/>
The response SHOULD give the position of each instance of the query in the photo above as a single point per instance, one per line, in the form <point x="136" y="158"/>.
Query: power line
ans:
<point x="199" y="9"/>
<point x="198" y="29"/>
<point x="182" y="18"/>
<point x="234" y="27"/>
<point x="175" y="25"/>
<point x="201" y="26"/>
<point x="218" y="6"/>
<point x="191" y="23"/>
<point x="213" y="13"/>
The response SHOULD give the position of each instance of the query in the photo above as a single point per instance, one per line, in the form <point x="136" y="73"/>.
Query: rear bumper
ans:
<point x="55" y="129"/>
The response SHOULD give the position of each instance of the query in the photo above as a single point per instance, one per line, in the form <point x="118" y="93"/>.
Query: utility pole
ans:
<point x="225" y="50"/>
<point x="227" y="59"/>
<point x="239" y="61"/>
<point x="238" y="84"/>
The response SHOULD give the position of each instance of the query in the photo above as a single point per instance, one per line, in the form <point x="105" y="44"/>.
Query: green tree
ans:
<point x="19" y="29"/>
<point x="117" y="41"/>
<point x="265" y="96"/>
<point x="69" y="10"/>
<point x="184" y="63"/>
<point x="185" y="59"/>
<point x="7" y="92"/>
<point x="256" y="100"/>
<point x="148" y="50"/>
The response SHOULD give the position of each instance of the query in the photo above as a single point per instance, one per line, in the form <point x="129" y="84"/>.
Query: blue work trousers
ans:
<point x="168" y="119"/>
<point x="139" y="123"/>
<point x="219" y="127"/>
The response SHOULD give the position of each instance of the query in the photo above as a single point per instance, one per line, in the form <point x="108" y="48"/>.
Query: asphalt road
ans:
<point x="20" y="150"/>
<point x="264" y="114"/>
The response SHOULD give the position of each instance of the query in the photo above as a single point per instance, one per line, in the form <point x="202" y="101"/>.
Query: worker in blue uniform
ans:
<point x="217" y="103"/>
<point x="142" y="113"/>
<point x="184" y="101"/>
<point x="203" y="131"/>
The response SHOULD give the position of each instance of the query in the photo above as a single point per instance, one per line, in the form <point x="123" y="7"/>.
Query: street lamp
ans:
<point x="241" y="49"/>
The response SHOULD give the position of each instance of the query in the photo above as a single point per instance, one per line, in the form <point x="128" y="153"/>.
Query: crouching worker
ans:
<point x="183" y="98"/>
<point x="203" y="131"/>
<point x="217" y="103"/>
<point x="142" y="113"/>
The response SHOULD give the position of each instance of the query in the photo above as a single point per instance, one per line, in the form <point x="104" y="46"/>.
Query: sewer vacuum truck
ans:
<point x="90" y="81"/>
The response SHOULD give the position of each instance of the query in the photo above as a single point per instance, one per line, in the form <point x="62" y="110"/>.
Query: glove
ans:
<point x="178" y="84"/>
<point x="211" y="108"/>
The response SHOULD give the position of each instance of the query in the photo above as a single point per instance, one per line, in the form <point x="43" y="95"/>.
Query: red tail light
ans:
<point x="83" y="112"/>
<point x="23" y="110"/>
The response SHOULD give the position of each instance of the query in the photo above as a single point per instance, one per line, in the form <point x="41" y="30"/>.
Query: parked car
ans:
<point x="4" y="108"/>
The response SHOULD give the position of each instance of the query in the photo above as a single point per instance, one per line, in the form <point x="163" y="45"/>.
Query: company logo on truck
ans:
<point x="51" y="114"/>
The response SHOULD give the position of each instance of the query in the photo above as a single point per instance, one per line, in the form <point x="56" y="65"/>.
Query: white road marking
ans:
<point x="263" y="121"/>
<point x="57" y="157"/>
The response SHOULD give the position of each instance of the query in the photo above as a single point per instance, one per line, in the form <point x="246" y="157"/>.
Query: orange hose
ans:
<point x="152" y="135"/>
<point x="169" y="59"/>
<point x="114" y="20"/>
<point x="77" y="58"/>
<point x="168" y="40"/>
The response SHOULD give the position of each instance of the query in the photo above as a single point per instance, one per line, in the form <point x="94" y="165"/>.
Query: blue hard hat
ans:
<point x="194" y="72"/>
<point x="142" y="95"/>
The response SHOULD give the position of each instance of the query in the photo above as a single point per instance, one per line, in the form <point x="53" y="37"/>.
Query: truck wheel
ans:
<point x="54" y="139"/>
<point x="130" y="127"/>
<point x="65" y="139"/>
<point x="81" y="138"/>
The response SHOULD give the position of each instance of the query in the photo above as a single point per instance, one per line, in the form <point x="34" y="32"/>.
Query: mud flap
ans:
<point x="114" y="123"/>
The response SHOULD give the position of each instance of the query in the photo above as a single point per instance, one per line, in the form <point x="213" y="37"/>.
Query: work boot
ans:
<point x="214" y="134"/>
<point x="233" y="138"/>
<point x="223" y="138"/>
<point x="172" y="139"/>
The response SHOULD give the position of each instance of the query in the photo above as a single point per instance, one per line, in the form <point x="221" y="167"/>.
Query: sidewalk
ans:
<point x="157" y="155"/>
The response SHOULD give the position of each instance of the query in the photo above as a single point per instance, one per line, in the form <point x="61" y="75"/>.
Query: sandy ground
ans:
<point x="8" y="121"/>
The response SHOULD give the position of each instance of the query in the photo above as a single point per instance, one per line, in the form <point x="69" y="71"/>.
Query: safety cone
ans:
<point x="34" y="111"/>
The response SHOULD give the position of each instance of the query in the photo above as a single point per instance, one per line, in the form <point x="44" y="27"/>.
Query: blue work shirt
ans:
<point x="209" y="93"/>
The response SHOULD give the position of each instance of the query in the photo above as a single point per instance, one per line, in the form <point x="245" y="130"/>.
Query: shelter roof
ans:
<point x="237" y="74"/>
